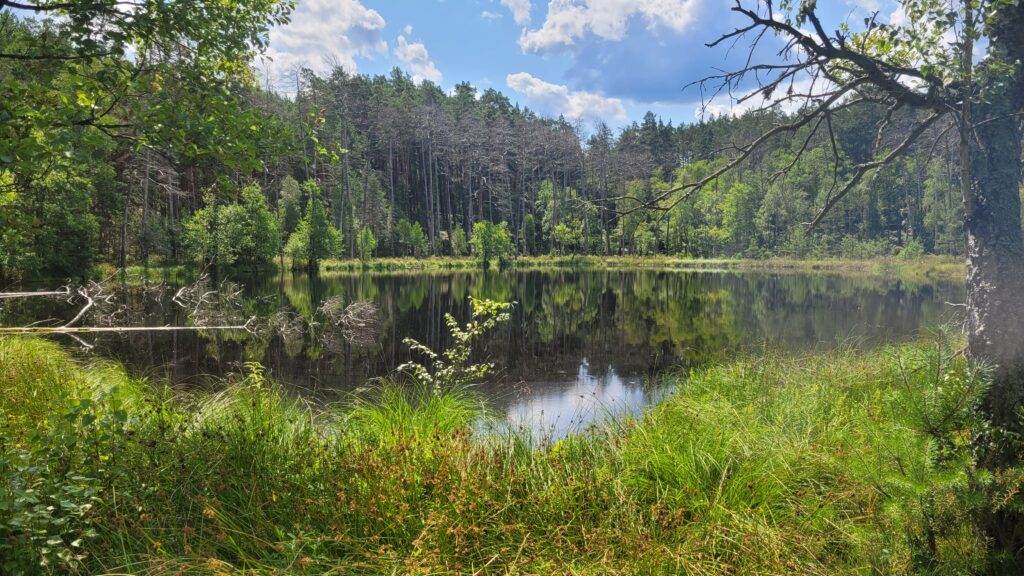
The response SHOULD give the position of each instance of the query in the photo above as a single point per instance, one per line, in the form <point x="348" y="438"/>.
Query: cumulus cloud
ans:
<point x="557" y="99"/>
<point x="807" y="88"/>
<point x="569" y="21"/>
<point x="415" y="59"/>
<point x="324" y="32"/>
<point x="488" y="15"/>
<point x="520" y="10"/>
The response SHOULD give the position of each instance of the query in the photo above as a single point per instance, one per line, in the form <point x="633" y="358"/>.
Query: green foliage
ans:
<point x="739" y="211"/>
<point x="567" y="239"/>
<point x="531" y="245"/>
<point x="490" y="241"/>
<point x="829" y="463"/>
<point x="412" y="241"/>
<point x="460" y="247"/>
<point x="315" y="238"/>
<point x="366" y="243"/>
<point x="73" y="71"/>
<point x="912" y="250"/>
<point x="53" y="231"/>
<point x="60" y="447"/>
<point x="862" y="249"/>
<point x="198" y="117"/>
<point x="644" y="242"/>
<point x="290" y="206"/>
<point x="237" y="234"/>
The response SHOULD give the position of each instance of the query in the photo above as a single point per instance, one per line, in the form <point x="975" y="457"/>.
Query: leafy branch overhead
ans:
<point x="139" y="72"/>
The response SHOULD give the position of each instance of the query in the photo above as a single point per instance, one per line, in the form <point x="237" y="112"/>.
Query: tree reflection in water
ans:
<point x="608" y="328"/>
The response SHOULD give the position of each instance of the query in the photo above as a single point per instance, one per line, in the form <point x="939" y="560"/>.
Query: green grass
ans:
<point x="835" y="463"/>
<point x="918" y="268"/>
<point x="924" y="267"/>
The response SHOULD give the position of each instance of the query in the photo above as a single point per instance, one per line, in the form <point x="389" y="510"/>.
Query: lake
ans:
<point x="580" y="343"/>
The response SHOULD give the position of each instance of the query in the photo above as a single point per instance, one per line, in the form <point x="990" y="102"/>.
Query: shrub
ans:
<point x="459" y="245"/>
<point x="451" y="367"/>
<point x="912" y="249"/>
<point x="243" y="234"/>
<point x="366" y="243"/>
<point x="315" y="238"/>
<point x="411" y="238"/>
<point x="491" y="241"/>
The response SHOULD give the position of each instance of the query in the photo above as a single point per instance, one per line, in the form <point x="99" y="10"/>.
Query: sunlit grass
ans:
<point x="832" y="463"/>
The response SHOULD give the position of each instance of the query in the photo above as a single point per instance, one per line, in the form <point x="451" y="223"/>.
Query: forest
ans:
<point x="118" y="170"/>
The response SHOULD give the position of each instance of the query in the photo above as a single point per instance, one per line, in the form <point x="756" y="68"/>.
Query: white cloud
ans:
<point x="569" y="20"/>
<point x="866" y="5"/>
<point x="807" y="91"/>
<point x="558" y="99"/>
<point x="407" y="30"/>
<point x="488" y="15"/>
<point x="327" y="30"/>
<point x="415" y="58"/>
<point x="520" y="10"/>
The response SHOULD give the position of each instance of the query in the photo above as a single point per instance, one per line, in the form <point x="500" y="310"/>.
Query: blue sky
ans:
<point x="588" y="59"/>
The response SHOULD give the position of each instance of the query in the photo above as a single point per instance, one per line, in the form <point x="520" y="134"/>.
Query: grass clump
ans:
<point x="826" y="464"/>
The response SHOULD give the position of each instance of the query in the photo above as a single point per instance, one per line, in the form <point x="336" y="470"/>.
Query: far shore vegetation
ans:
<point x="925" y="267"/>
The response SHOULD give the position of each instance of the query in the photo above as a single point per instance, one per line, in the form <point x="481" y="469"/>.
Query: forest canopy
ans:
<point x="126" y="169"/>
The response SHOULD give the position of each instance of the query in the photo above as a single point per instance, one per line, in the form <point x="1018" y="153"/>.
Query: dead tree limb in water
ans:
<point x="98" y="329"/>
<point x="65" y="291"/>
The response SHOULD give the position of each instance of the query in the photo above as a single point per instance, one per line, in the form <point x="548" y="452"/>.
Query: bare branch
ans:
<point x="861" y="169"/>
<point x="745" y="152"/>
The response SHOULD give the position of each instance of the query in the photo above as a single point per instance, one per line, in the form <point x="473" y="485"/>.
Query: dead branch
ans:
<point x="88" y="304"/>
<point x="64" y="291"/>
<point x="861" y="169"/>
<point x="106" y="329"/>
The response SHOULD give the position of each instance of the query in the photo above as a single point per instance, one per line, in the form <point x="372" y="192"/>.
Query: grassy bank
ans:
<point x="825" y="464"/>
<point x="919" y="268"/>
<point x="925" y="267"/>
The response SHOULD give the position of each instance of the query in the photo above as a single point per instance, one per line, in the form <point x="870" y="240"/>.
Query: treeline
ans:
<point x="382" y="166"/>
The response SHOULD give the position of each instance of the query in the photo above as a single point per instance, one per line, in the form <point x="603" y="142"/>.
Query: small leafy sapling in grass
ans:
<point x="54" y="481"/>
<point x="452" y="367"/>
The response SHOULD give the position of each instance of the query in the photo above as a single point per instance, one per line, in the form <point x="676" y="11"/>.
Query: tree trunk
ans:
<point x="995" y="262"/>
<point x="391" y="205"/>
<point x="995" y="244"/>
<point x="345" y="190"/>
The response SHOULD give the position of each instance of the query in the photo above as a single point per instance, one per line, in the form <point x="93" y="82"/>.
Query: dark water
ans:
<point x="579" y="344"/>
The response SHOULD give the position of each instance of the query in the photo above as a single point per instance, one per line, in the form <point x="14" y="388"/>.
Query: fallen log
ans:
<point x="97" y="329"/>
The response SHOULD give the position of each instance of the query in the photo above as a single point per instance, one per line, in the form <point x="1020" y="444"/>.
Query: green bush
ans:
<point x="237" y="234"/>
<point x="366" y="243"/>
<point x="315" y="238"/>
<point x="912" y="249"/>
<point x="460" y="247"/>
<point x="491" y="241"/>
<point x="411" y="239"/>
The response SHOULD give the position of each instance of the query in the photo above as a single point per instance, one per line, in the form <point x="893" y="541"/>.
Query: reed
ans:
<point x="841" y="462"/>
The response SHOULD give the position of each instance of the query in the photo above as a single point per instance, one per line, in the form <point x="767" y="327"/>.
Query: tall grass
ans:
<point x="825" y="464"/>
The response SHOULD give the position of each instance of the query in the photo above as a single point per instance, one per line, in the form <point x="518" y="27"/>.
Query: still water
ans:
<point x="580" y="344"/>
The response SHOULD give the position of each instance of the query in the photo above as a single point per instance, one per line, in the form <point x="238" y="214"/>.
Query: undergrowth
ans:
<point x="832" y="463"/>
